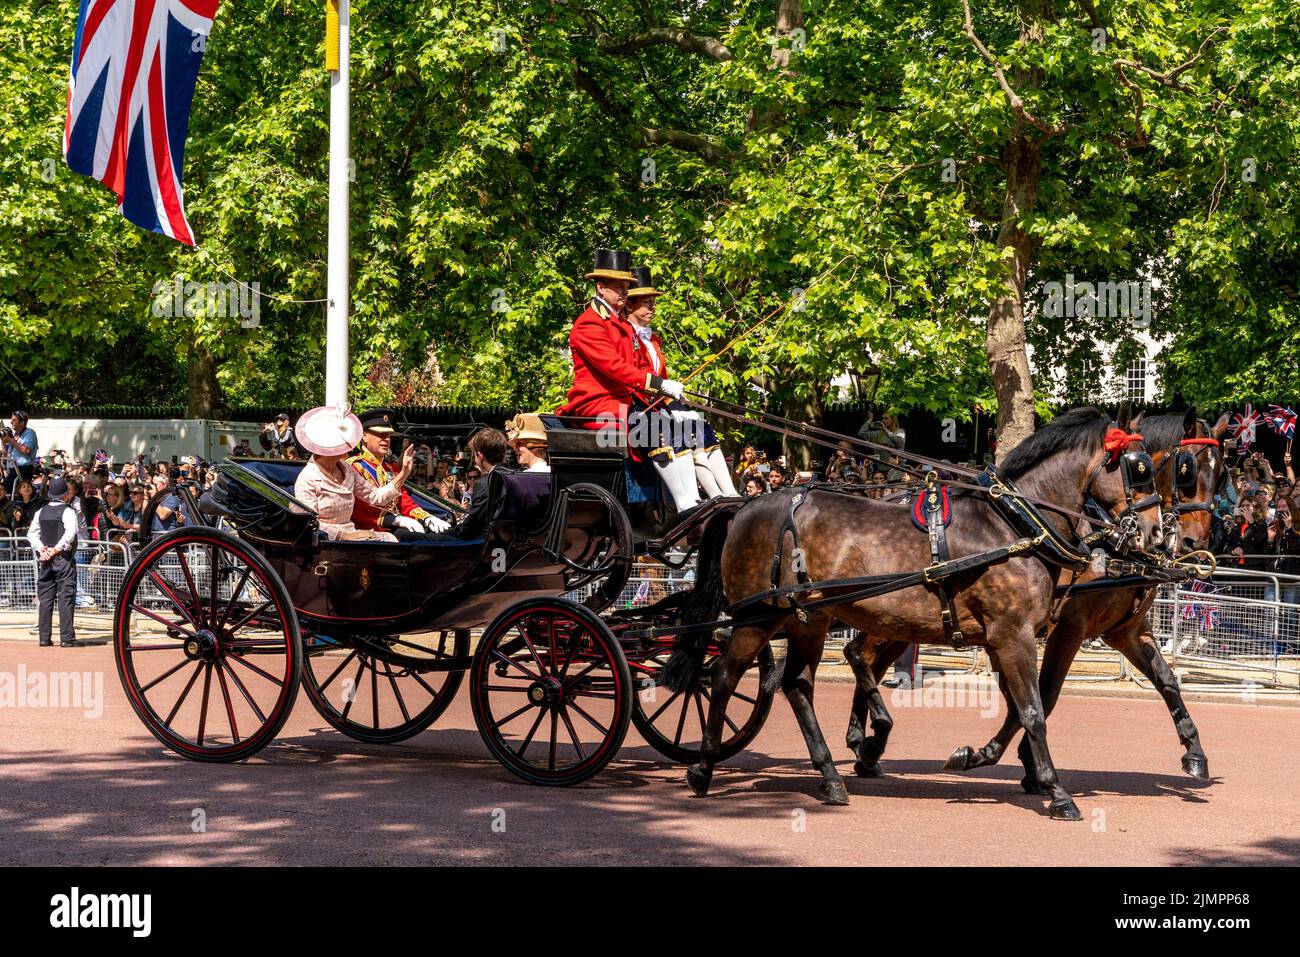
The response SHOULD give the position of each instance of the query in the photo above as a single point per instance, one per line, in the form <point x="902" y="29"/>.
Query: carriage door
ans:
<point x="364" y="580"/>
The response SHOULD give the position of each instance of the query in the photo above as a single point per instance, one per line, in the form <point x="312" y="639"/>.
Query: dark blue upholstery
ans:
<point x="525" y="495"/>
<point x="642" y="482"/>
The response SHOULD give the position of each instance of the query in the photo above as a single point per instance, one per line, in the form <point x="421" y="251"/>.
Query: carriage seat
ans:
<point x="523" y="497"/>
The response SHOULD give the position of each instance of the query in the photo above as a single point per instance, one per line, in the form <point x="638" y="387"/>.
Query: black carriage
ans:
<point x="220" y="620"/>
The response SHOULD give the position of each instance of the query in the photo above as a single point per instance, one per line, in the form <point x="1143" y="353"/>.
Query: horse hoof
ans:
<point x="864" y="770"/>
<point x="1031" y="786"/>
<point x="1197" y="767"/>
<point x="1065" y="810"/>
<point x="834" y="792"/>
<point x="698" y="780"/>
<point x="959" y="760"/>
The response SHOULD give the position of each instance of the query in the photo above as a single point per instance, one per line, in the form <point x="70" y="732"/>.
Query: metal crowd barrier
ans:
<point x="101" y="569"/>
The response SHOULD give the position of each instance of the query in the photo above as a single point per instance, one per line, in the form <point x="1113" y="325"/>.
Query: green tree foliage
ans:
<point x="869" y="152"/>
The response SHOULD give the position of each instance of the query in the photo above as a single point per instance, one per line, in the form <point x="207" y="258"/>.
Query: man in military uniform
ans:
<point x="403" y="517"/>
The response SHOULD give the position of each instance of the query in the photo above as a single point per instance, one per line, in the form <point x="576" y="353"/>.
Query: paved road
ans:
<point x="99" y="790"/>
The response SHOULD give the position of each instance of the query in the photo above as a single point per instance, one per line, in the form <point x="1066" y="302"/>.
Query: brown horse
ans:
<point x="1118" y="616"/>
<point x="1002" y="606"/>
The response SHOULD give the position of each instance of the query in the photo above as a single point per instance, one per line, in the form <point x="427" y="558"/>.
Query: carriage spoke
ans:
<point x="664" y="707"/>
<point x="514" y="714"/>
<point x="541" y="713"/>
<point x="230" y="710"/>
<point x="356" y="683"/>
<point x="401" y="702"/>
<point x="184" y="694"/>
<point x="214" y="579"/>
<point x="433" y="693"/>
<point x="169" y="647"/>
<point x="244" y="691"/>
<point x="573" y="735"/>
<point x="252" y="667"/>
<point x="699" y="708"/>
<point x="510" y="661"/>
<point x="164" y="621"/>
<point x="590" y="720"/>
<point x="681" y="722"/>
<point x="251" y="615"/>
<point x="744" y="697"/>
<point x="207" y="687"/>
<point x="234" y="596"/>
<point x="189" y="583"/>
<point x="591" y="667"/>
<point x="374" y="692"/>
<point x="554" y="730"/>
<point x="165" y="675"/>
<point x="523" y="633"/>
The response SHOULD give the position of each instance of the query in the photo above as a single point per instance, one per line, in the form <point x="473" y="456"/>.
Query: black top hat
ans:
<point x="641" y="284"/>
<point x="612" y="264"/>
<point x="379" y="421"/>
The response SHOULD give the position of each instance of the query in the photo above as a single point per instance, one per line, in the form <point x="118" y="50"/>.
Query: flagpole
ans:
<point x="336" y="283"/>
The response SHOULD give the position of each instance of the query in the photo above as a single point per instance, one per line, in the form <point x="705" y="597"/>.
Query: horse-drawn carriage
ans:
<point x="216" y="628"/>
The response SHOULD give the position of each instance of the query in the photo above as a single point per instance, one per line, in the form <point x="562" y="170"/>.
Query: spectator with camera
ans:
<point x="18" y="444"/>
<point x="277" y="436"/>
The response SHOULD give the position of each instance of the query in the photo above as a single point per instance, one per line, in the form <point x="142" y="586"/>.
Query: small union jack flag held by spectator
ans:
<point x="134" y="66"/>
<point x="1281" y="420"/>
<point x="1202" y="611"/>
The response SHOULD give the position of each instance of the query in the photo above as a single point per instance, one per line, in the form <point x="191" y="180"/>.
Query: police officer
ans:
<point x="53" y="536"/>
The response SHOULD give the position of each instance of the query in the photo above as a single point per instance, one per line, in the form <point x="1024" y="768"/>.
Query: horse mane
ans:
<point x="1162" y="432"/>
<point x="1075" y="430"/>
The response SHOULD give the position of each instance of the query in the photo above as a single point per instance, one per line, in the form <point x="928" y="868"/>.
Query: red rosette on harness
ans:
<point x="1117" y="441"/>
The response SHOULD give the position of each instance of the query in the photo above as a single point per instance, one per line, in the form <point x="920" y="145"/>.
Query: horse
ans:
<point x="1002" y="605"/>
<point x="1118" y="616"/>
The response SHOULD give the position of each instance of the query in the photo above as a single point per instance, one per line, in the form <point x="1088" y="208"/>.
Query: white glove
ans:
<point x="435" y="524"/>
<point x="407" y="524"/>
<point x="672" y="388"/>
<point x="685" y="415"/>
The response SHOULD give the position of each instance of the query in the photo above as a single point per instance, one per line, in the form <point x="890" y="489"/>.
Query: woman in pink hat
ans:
<point x="329" y="485"/>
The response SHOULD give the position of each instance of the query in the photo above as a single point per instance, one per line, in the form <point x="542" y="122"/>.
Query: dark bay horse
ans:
<point x="1002" y="606"/>
<point x="1118" y="616"/>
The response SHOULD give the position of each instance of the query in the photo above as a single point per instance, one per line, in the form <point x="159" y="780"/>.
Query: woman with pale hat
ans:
<point x="329" y="485"/>
<point x="527" y="436"/>
<point x="691" y="452"/>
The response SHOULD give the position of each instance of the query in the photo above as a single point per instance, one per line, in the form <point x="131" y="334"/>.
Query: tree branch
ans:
<point x="1013" y="99"/>
<point x="690" y="42"/>
<point x="1170" y="78"/>
<point x="710" y="151"/>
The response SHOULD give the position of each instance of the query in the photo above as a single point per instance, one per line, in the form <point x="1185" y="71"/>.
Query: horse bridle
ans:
<point x="1137" y="475"/>
<point x="1186" y="482"/>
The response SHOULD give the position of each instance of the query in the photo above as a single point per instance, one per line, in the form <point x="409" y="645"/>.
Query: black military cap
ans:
<point x="379" y="421"/>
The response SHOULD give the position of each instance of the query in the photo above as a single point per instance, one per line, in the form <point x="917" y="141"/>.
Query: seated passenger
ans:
<point x="402" y="517"/>
<point x="527" y="436"/>
<point x="487" y="448"/>
<point x="329" y="485"/>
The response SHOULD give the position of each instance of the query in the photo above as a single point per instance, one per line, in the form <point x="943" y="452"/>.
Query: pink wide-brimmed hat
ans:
<point x="328" y="430"/>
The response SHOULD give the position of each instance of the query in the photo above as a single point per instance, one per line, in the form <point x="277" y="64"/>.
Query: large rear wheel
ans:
<point x="207" y="645"/>
<point x="552" y="693"/>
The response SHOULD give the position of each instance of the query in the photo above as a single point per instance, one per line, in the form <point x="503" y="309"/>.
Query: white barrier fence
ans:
<point x="101" y="569"/>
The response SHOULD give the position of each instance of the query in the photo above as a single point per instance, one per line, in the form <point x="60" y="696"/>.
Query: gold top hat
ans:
<point x="612" y="264"/>
<point x="641" y="284"/>
<point x="526" y="427"/>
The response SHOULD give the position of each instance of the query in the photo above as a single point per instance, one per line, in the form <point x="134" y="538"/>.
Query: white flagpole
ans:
<point x="336" y="284"/>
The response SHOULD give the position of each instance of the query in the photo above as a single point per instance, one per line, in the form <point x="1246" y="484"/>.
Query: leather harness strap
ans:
<point x="938" y="536"/>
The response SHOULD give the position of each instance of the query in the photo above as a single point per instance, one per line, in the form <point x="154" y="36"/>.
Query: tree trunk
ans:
<point x="203" y="394"/>
<point x="1005" y="341"/>
<point x="798" y="454"/>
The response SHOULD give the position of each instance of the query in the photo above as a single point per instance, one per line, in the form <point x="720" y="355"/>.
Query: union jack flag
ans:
<point x="134" y="66"/>
<point x="1204" y="612"/>
<point x="1281" y="421"/>
<point x="1242" y="425"/>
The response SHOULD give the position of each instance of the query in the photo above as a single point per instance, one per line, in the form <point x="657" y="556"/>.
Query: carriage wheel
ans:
<point x="207" y="645"/>
<point x="552" y="692"/>
<point x="673" y="722"/>
<point x="614" y="559"/>
<point x="379" y="701"/>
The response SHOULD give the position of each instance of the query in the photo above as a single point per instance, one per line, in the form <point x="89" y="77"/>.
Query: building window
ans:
<point x="1137" y="380"/>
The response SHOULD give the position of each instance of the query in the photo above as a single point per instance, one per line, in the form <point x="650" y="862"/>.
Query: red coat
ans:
<point x="365" y="515"/>
<point x="606" y="370"/>
<point x="641" y="353"/>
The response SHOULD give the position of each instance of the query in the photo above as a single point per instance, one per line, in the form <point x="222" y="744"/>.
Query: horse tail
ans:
<point x="702" y="603"/>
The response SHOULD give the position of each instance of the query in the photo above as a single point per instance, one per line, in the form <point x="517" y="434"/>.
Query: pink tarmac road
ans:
<point x="100" y="790"/>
